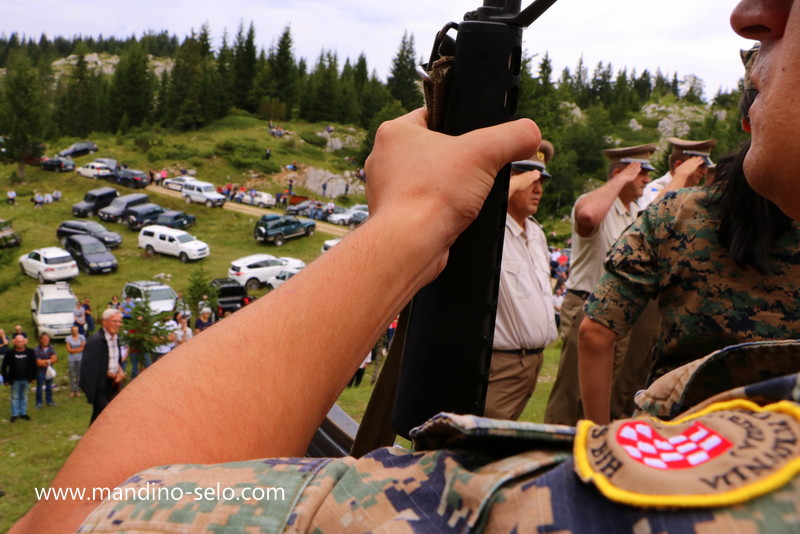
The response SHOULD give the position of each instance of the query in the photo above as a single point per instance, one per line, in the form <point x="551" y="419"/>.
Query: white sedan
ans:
<point x="254" y="271"/>
<point x="49" y="264"/>
<point x="95" y="170"/>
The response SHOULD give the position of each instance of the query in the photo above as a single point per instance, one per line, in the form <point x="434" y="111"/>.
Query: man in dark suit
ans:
<point x="101" y="367"/>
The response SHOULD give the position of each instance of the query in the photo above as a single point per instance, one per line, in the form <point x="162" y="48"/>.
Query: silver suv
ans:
<point x="202" y="193"/>
<point x="51" y="310"/>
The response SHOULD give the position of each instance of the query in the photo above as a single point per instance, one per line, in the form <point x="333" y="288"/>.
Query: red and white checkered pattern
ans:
<point x="694" y="446"/>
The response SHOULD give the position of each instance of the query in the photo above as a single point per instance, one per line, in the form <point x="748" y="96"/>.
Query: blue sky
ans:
<point x="687" y="36"/>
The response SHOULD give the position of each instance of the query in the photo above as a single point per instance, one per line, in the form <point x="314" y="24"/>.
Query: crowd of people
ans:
<point x="22" y="365"/>
<point x="38" y="198"/>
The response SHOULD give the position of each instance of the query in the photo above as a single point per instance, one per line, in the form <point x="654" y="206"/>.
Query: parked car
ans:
<point x="176" y="184"/>
<point x="326" y="246"/>
<point x="91" y="228"/>
<point x="176" y="219"/>
<point x="301" y="208"/>
<point x="358" y="218"/>
<point x="342" y="217"/>
<point x="90" y="254"/>
<point x="260" y="199"/>
<point x="113" y="212"/>
<point x="231" y="295"/>
<point x="173" y="242"/>
<point x="95" y="170"/>
<point x="141" y="215"/>
<point x="8" y="236"/>
<point x="282" y="277"/>
<point x="79" y="149"/>
<point x="49" y="264"/>
<point x="58" y="164"/>
<point x="160" y="296"/>
<point x="111" y="163"/>
<point x="276" y="229"/>
<point x="253" y="271"/>
<point x="94" y="201"/>
<point x="51" y="310"/>
<point x="202" y="193"/>
<point x="132" y="178"/>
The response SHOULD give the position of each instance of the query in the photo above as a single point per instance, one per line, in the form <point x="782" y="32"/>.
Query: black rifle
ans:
<point x="448" y="342"/>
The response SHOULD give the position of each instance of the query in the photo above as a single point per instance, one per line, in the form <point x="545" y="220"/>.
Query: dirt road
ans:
<point x="323" y="227"/>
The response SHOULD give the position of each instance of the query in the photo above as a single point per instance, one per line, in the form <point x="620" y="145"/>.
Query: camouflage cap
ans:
<point x="693" y="148"/>
<point x="633" y="154"/>
<point x="538" y="161"/>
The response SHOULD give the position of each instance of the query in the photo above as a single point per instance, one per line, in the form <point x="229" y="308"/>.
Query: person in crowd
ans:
<point x="525" y="323"/>
<point x="56" y="195"/>
<point x="48" y="198"/>
<point x="126" y="307"/>
<point x="79" y="316"/>
<point x="4" y="342"/>
<point x="598" y="218"/>
<point x="359" y="375"/>
<point x="87" y="307"/>
<point x="204" y="320"/>
<point x="184" y="332"/>
<point x="170" y="325"/>
<point x="140" y="359"/>
<point x="682" y="151"/>
<point x="45" y="357"/>
<point x="558" y="300"/>
<point x="18" y="370"/>
<point x="101" y="374"/>
<point x="18" y="331"/>
<point x="305" y="373"/>
<point x="114" y="302"/>
<point x="181" y="305"/>
<point x="38" y="200"/>
<point x="11" y="197"/>
<point x="75" y="342"/>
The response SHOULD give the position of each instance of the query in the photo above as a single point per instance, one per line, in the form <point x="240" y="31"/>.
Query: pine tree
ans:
<point x="22" y="112"/>
<point x="283" y="70"/>
<point x="402" y="81"/>
<point x="132" y="89"/>
<point x="244" y="67"/>
<point x="225" y="74"/>
<point x="374" y="97"/>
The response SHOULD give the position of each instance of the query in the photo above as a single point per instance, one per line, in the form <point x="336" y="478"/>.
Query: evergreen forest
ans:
<point x="68" y="87"/>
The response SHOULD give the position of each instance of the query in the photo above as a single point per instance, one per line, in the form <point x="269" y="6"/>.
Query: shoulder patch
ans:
<point x="728" y="453"/>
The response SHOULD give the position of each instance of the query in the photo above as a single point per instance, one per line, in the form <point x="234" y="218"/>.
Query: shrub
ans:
<point x="314" y="139"/>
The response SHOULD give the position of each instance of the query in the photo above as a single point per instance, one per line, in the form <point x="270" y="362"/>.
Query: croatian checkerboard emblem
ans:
<point x="691" y="448"/>
<point x="727" y="453"/>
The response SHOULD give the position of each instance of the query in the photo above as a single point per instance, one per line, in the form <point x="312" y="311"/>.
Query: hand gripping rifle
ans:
<point x="471" y="82"/>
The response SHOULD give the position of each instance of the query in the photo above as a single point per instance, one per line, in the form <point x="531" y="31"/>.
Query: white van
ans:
<point x="202" y="193"/>
<point x="172" y="241"/>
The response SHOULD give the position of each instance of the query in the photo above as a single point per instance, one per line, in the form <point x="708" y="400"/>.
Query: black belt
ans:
<point x="521" y="352"/>
<point x="582" y="294"/>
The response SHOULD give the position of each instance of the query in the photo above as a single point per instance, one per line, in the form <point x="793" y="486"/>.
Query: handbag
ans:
<point x="50" y="373"/>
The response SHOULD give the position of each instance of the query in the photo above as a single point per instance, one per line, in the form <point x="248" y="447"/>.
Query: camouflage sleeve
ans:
<point x="632" y="276"/>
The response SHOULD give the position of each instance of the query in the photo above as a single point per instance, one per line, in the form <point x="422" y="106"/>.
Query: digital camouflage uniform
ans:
<point x="672" y="253"/>
<point x="471" y="474"/>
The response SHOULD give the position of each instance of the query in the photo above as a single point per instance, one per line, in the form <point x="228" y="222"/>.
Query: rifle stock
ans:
<point x="448" y="341"/>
